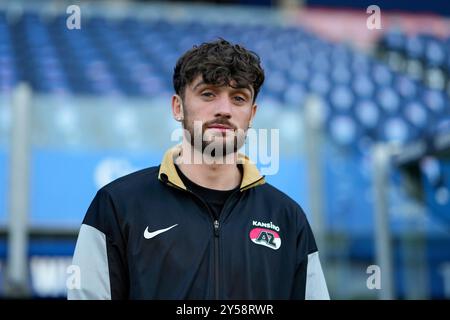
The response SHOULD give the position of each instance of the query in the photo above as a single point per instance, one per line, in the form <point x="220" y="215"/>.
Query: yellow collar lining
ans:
<point x="250" y="171"/>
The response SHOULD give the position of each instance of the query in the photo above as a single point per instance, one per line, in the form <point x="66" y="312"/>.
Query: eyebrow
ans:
<point x="201" y="83"/>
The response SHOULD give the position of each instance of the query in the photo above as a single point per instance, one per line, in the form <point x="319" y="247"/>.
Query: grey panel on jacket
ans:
<point x="92" y="259"/>
<point x="316" y="287"/>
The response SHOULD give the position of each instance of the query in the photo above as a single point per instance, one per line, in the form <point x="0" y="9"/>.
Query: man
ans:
<point x="204" y="224"/>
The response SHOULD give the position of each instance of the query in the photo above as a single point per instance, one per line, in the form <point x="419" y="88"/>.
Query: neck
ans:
<point x="217" y="174"/>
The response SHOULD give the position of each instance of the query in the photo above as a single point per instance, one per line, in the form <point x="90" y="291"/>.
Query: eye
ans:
<point x="207" y="94"/>
<point x="239" y="99"/>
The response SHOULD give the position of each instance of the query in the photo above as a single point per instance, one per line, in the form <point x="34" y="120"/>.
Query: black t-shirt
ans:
<point x="215" y="199"/>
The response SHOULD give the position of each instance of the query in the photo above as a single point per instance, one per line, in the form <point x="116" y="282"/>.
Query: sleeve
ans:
<point x="99" y="254"/>
<point x="309" y="281"/>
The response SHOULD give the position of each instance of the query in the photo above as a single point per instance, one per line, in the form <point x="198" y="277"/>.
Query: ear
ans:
<point x="252" y="114"/>
<point x="177" y="107"/>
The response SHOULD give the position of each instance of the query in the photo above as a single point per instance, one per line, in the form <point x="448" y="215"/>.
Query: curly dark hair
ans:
<point x="219" y="62"/>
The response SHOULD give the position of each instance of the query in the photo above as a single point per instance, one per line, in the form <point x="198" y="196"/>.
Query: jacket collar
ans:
<point x="168" y="173"/>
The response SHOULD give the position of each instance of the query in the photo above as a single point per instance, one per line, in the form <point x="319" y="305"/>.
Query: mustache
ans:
<point x="223" y="121"/>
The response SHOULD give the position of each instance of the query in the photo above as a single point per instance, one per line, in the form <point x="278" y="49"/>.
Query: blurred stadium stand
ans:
<point x="100" y="109"/>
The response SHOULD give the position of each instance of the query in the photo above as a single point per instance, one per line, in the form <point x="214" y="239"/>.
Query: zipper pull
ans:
<point x="216" y="228"/>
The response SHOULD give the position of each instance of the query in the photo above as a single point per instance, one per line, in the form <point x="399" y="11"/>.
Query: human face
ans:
<point x="224" y="113"/>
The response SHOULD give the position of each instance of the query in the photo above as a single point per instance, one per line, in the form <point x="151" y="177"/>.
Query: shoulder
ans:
<point x="110" y="208"/>
<point x="278" y="196"/>
<point x="281" y="200"/>
<point x="133" y="183"/>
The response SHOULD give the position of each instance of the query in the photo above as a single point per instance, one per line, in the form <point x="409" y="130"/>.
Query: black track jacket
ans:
<point x="145" y="236"/>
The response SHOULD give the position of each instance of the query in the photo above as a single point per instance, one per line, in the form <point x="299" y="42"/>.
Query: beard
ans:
<point x="213" y="143"/>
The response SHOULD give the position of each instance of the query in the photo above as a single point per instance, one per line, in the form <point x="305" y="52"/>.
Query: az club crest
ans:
<point x="266" y="237"/>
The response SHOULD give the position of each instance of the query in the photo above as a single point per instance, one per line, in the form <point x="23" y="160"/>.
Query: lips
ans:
<point x="220" y="126"/>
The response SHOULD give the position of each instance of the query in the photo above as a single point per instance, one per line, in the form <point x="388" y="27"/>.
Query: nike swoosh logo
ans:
<point x="149" y="235"/>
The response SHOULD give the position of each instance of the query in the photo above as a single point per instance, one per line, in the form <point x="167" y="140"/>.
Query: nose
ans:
<point x="223" y="107"/>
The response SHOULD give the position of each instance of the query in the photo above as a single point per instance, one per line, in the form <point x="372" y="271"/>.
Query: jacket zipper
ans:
<point x="216" y="246"/>
<point x="216" y="226"/>
<point x="216" y="260"/>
